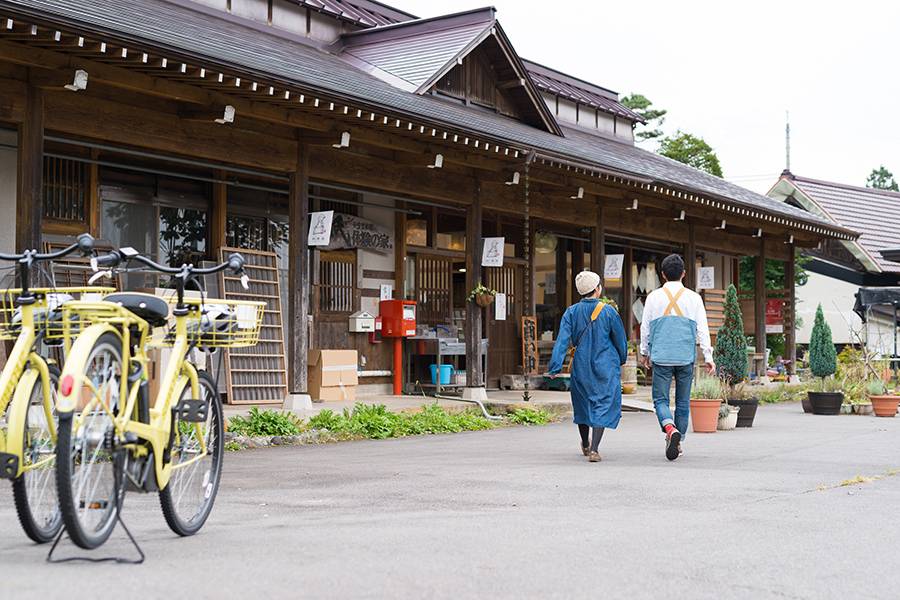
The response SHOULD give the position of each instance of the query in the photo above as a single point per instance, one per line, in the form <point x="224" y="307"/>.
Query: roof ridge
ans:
<point x="415" y="22"/>
<point x="846" y="186"/>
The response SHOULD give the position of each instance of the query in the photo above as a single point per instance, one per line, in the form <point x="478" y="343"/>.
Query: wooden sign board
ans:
<point x="530" y="356"/>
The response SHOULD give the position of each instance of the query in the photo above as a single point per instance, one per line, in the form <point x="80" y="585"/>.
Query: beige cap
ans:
<point x="586" y="282"/>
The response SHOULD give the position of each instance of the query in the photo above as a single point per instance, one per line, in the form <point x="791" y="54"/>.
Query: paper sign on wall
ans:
<point x="387" y="291"/>
<point x="320" y="228"/>
<point x="500" y="307"/>
<point x="613" y="267"/>
<point x="706" y="278"/>
<point x="492" y="253"/>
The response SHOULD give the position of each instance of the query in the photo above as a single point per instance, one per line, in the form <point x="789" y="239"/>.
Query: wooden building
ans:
<point x="181" y="128"/>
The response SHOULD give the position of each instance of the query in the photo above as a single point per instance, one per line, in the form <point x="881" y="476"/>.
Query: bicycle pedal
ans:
<point x="192" y="411"/>
<point x="9" y="465"/>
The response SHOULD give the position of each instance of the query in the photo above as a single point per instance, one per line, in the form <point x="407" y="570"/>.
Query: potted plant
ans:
<point x="629" y="370"/>
<point x="482" y="296"/>
<point x="826" y="395"/>
<point x="884" y="404"/>
<point x="706" y="398"/>
<point x="731" y="358"/>
<point x="728" y="416"/>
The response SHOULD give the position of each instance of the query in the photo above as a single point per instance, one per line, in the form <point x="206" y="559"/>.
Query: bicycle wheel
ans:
<point x="35" y="491"/>
<point x="188" y="498"/>
<point x="87" y="477"/>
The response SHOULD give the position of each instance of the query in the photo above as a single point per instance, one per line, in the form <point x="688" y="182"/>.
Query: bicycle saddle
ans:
<point x="151" y="308"/>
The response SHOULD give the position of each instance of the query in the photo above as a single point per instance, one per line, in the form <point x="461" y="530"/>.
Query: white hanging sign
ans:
<point x="613" y="267"/>
<point x="706" y="278"/>
<point x="387" y="291"/>
<point x="320" y="228"/>
<point x="492" y="253"/>
<point x="500" y="307"/>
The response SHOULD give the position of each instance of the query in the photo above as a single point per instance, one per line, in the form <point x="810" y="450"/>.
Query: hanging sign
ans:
<point x="500" y="307"/>
<point x="613" y="267"/>
<point x="350" y="232"/>
<point x="387" y="291"/>
<point x="492" y="253"/>
<point x="320" y="228"/>
<point x="774" y="316"/>
<point x="706" y="278"/>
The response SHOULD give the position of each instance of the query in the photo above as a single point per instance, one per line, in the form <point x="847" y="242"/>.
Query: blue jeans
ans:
<point x="662" y="384"/>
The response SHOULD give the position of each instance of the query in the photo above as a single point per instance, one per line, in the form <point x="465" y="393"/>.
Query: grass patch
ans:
<point x="860" y="480"/>
<point x="857" y="480"/>
<point x="232" y="446"/>
<point x="529" y="416"/>
<point x="266" y="423"/>
<point x="783" y="393"/>
<point x="375" y="421"/>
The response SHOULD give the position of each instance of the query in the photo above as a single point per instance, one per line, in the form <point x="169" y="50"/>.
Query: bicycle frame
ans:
<point x="110" y="318"/>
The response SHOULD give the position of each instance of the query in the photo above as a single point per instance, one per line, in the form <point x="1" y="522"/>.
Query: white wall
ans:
<point x="8" y="169"/>
<point x="837" y="299"/>
<point x="257" y="10"/>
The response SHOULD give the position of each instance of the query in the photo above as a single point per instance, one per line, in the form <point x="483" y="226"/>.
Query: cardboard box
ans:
<point x="332" y="375"/>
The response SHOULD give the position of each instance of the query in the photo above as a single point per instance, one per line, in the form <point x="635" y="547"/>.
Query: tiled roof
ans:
<point x="227" y="44"/>
<point x="875" y="214"/>
<point x="418" y="51"/>
<point x="364" y="13"/>
<point x="576" y="90"/>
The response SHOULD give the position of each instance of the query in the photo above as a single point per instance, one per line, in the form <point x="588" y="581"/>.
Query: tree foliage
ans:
<point x="691" y="150"/>
<point x="654" y="117"/>
<point x="822" y="355"/>
<point x="731" y="344"/>
<point x="882" y="179"/>
<point x="774" y="273"/>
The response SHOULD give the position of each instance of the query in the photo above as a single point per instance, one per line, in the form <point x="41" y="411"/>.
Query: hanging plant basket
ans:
<point x="484" y="300"/>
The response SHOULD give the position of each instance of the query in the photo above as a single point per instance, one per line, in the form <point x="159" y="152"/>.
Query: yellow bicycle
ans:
<point x="111" y="438"/>
<point x="28" y="382"/>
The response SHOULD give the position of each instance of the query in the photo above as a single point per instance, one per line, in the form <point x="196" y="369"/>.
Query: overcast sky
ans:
<point x="728" y="71"/>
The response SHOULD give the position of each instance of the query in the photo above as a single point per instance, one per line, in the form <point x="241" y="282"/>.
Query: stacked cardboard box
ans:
<point x="332" y="375"/>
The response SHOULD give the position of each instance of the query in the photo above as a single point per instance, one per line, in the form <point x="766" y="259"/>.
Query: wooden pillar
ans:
<point x="627" y="292"/>
<point x="474" y="313"/>
<point x="598" y="244"/>
<point x="298" y="273"/>
<point x="531" y="273"/>
<point x="790" y="312"/>
<point x="759" y="299"/>
<point x="690" y="259"/>
<point x="562" y="272"/>
<point x="577" y="266"/>
<point x="219" y="212"/>
<point x="30" y="198"/>
<point x="399" y="254"/>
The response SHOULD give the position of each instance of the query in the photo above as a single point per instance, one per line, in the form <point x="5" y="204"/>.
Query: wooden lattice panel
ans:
<point x="257" y="375"/>
<point x="73" y="270"/>
<point x="715" y="310"/>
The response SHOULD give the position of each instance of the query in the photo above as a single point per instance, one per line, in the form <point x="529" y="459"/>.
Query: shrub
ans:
<point x="822" y="355"/>
<point x="376" y="421"/>
<point x="265" y="423"/>
<point x="529" y="416"/>
<point x="707" y="388"/>
<point x="731" y="344"/>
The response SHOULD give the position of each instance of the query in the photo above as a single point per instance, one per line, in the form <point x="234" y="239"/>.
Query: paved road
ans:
<point x="519" y="513"/>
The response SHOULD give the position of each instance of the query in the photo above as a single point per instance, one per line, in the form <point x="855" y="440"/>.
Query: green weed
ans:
<point x="266" y="423"/>
<point x="529" y="416"/>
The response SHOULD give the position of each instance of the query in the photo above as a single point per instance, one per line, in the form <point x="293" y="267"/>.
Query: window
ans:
<point x="182" y="235"/>
<point x="336" y="290"/>
<point x="65" y="189"/>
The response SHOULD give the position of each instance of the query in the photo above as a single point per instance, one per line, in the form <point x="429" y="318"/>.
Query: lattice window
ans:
<point x="65" y="189"/>
<point x="434" y="285"/>
<point x="337" y="288"/>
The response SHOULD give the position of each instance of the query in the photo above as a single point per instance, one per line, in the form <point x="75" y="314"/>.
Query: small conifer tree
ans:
<point x="822" y="355"/>
<point x="731" y="345"/>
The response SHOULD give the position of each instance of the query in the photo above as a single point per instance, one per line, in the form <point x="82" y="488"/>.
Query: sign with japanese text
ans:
<point x="320" y="228"/>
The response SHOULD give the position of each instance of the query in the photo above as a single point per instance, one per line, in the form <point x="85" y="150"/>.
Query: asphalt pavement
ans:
<point x="519" y="513"/>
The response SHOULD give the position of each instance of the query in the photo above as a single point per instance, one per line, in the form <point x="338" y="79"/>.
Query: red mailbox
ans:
<point x="398" y="318"/>
<point x="398" y="321"/>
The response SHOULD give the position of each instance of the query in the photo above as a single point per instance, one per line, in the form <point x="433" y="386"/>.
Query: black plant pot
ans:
<point x="746" y="411"/>
<point x="826" y="403"/>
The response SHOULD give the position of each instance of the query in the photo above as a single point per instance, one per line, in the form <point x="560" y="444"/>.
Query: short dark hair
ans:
<point x="673" y="267"/>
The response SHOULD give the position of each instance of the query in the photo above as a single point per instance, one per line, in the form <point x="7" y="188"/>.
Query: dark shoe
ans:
<point x="586" y="450"/>
<point x="594" y="457"/>
<point x="673" y="441"/>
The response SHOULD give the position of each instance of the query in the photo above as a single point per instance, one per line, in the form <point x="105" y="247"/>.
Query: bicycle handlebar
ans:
<point x="84" y="243"/>
<point x="113" y="259"/>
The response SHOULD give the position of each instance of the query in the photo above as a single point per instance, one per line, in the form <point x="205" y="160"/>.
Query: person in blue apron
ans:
<point x="674" y="322"/>
<point x="592" y="334"/>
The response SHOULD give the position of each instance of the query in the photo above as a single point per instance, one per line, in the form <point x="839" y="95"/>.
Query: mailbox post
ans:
<point x="398" y="321"/>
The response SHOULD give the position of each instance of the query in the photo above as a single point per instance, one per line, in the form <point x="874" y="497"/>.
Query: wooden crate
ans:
<point x="257" y="375"/>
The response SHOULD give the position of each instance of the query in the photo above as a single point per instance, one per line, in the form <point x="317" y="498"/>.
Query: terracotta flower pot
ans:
<point x="484" y="300"/>
<point x="704" y="415"/>
<point x="884" y="406"/>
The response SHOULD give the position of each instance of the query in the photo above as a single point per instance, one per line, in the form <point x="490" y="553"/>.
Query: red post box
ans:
<point x="398" y="320"/>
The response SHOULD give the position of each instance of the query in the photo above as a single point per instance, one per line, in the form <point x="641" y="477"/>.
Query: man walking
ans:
<point x="674" y="322"/>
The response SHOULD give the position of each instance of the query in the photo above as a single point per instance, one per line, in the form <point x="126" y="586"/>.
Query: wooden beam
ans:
<point x="12" y="100"/>
<point x="627" y="292"/>
<point x="577" y="266"/>
<point x="690" y="258"/>
<point x="474" y="313"/>
<point x="95" y="205"/>
<point x="598" y="244"/>
<point x="219" y="217"/>
<point x="399" y="254"/>
<point x="30" y="198"/>
<point x="790" y="312"/>
<point x="298" y="273"/>
<point x="759" y="306"/>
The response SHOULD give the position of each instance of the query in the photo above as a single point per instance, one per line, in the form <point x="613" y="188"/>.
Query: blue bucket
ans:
<point x="446" y="372"/>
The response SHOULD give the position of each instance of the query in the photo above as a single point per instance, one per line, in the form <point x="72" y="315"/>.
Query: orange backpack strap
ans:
<point x="597" y="310"/>
<point x="673" y="302"/>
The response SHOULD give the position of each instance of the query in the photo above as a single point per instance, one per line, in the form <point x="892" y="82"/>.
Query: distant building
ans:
<point x="840" y="267"/>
